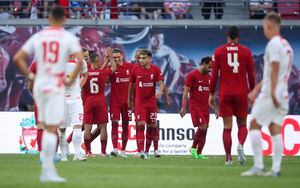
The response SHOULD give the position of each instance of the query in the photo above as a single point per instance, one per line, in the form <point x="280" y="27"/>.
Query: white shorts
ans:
<point x="50" y="104"/>
<point x="73" y="112"/>
<point x="265" y="113"/>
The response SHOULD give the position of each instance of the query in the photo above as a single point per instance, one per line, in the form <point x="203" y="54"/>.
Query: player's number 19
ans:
<point x="233" y="62"/>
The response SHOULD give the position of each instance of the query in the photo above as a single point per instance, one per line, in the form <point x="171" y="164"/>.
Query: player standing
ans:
<point x="233" y="65"/>
<point x="95" y="110"/>
<point x="49" y="86"/>
<point x="197" y="86"/>
<point x="143" y="79"/>
<point x="73" y="111"/>
<point x="272" y="104"/>
<point x="118" y="100"/>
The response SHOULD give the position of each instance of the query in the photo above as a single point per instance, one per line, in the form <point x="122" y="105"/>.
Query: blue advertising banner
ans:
<point x="176" y="50"/>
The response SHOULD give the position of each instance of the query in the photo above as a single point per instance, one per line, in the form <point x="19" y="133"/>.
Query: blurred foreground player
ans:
<point x="272" y="103"/>
<point x="143" y="80"/>
<point x="197" y="87"/>
<point x="233" y="66"/>
<point x="49" y="86"/>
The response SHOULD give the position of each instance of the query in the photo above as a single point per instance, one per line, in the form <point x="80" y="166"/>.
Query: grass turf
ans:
<point x="168" y="171"/>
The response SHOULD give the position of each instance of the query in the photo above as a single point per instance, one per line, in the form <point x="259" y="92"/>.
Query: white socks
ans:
<point x="77" y="138"/>
<point x="256" y="142"/>
<point x="62" y="143"/>
<point x="49" y="143"/>
<point x="277" y="152"/>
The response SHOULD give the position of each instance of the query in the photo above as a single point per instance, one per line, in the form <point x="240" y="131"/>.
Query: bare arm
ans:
<point x="252" y="95"/>
<point x="79" y="58"/>
<point x="83" y="79"/>
<point x="168" y="98"/>
<point x="186" y="91"/>
<point x="161" y="89"/>
<point x="30" y="86"/>
<point x="19" y="61"/>
<point x="130" y="95"/>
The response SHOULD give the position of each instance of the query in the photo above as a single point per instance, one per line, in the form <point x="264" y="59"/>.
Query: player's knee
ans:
<point x="254" y="125"/>
<point x="203" y="127"/>
<point x="274" y="129"/>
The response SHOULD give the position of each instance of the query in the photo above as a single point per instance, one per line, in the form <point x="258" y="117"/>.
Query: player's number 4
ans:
<point x="233" y="62"/>
<point x="94" y="86"/>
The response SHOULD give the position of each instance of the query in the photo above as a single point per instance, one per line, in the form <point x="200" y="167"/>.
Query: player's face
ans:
<point x="86" y="55"/>
<point x="144" y="60"/>
<point x="118" y="57"/>
<point x="207" y="67"/>
<point x="157" y="41"/>
<point x="267" y="25"/>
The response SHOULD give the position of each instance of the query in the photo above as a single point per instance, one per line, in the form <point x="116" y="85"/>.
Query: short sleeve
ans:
<point x="189" y="80"/>
<point x="160" y="76"/>
<point x="28" y="47"/>
<point x="274" y="51"/>
<point x="75" y="45"/>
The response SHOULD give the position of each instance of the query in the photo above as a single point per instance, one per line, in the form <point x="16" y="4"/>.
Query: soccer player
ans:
<point x="197" y="86"/>
<point x="118" y="100"/>
<point x="95" y="110"/>
<point x="143" y="79"/>
<point x="73" y="111"/>
<point x="272" y="103"/>
<point x="49" y="86"/>
<point x="233" y="65"/>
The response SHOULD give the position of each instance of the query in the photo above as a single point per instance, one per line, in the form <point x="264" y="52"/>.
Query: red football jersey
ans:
<point x="93" y="90"/>
<point x="119" y="84"/>
<point x="233" y="64"/>
<point x="145" y="83"/>
<point x="199" y="90"/>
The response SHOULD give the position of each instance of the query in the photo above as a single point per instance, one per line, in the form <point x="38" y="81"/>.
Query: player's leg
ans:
<point x="95" y="133"/>
<point x="196" y="140"/>
<point x="202" y="140"/>
<point x="62" y="144"/>
<point x="256" y="143"/>
<point x="140" y="116"/>
<point x="149" y="138"/>
<point x="226" y="112"/>
<point x="115" y="111"/>
<point x="126" y="116"/>
<point x="70" y="137"/>
<point x="40" y="129"/>
<point x="241" y="111"/>
<point x="88" y="120"/>
<point x="103" y="138"/>
<point x="275" y="130"/>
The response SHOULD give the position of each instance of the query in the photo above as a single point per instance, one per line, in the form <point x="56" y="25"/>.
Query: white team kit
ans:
<point x="264" y="111"/>
<point x="52" y="47"/>
<point x="73" y="107"/>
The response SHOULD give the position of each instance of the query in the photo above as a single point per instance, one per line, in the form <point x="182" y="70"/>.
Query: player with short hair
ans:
<point x="95" y="110"/>
<point x="233" y="66"/>
<point x="73" y="111"/>
<point x="119" y="82"/>
<point x="272" y="104"/>
<point x="49" y="85"/>
<point x="143" y="79"/>
<point x="197" y="87"/>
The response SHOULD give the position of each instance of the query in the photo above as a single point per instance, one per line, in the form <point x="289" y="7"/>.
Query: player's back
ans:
<point x="51" y="47"/>
<point x="234" y="62"/>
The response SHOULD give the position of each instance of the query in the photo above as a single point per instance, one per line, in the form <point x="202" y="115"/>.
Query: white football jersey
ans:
<point x="74" y="90"/>
<point x="278" y="50"/>
<point x="51" y="47"/>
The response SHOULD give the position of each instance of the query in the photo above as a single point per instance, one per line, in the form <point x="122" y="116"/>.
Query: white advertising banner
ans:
<point x="18" y="133"/>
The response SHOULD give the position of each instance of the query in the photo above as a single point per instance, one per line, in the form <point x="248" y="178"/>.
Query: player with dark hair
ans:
<point x="51" y="53"/>
<point x="233" y="66"/>
<point x="143" y="80"/>
<point x="95" y="110"/>
<point x="197" y="87"/>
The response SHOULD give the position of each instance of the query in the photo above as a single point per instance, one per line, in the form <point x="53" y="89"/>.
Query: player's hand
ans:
<point x="130" y="104"/>
<point x="252" y="96"/>
<point x="216" y="113"/>
<point x="108" y="52"/>
<point x="159" y="94"/>
<point x="67" y="81"/>
<point x="275" y="101"/>
<point x="212" y="100"/>
<point x="182" y="112"/>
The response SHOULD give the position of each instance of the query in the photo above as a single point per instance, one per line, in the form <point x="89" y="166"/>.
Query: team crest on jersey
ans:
<point x="140" y="84"/>
<point x="127" y="71"/>
<point x="27" y="140"/>
<point x="117" y="80"/>
<point x="151" y="76"/>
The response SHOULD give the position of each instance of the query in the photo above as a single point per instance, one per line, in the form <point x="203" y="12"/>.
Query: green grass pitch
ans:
<point x="168" y="171"/>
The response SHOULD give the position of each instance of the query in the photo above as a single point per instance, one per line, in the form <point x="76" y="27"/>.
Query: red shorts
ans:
<point x="95" y="114"/>
<point x="146" y="114"/>
<point x="117" y="109"/>
<point x="35" y="110"/>
<point x="236" y="105"/>
<point x="199" y="117"/>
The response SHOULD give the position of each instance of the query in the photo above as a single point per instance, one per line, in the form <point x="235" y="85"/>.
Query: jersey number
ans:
<point x="50" y="52"/>
<point x="94" y="86"/>
<point x="233" y="62"/>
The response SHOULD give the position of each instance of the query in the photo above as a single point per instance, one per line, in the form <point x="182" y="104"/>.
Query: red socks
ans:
<point x="227" y="143"/>
<point x="148" y="138"/>
<point x="242" y="134"/>
<point x="114" y="134"/>
<point x="202" y="139"/>
<point x="103" y="146"/>
<point x="69" y="139"/>
<point x="39" y="139"/>
<point x="196" y="138"/>
<point x="141" y="137"/>
<point x="87" y="143"/>
<point x="155" y="137"/>
<point x="124" y="135"/>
